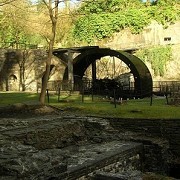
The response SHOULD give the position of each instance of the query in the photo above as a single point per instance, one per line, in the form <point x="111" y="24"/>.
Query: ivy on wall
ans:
<point x="158" y="57"/>
<point x="101" y="26"/>
<point x="102" y="18"/>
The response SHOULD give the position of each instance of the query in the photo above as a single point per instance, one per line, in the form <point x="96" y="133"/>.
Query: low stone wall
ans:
<point x="167" y="130"/>
<point x="161" y="140"/>
<point x="112" y="157"/>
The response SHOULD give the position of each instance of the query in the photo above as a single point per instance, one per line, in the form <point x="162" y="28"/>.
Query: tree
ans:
<point x="53" y="15"/>
<point x="26" y="66"/>
<point x="15" y="24"/>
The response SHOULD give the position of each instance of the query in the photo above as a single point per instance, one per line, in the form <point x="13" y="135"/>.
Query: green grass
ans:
<point x="132" y="109"/>
<point x="8" y="98"/>
<point x="138" y="108"/>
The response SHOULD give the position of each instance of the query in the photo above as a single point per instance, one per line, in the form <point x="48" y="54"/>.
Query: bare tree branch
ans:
<point x="4" y="2"/>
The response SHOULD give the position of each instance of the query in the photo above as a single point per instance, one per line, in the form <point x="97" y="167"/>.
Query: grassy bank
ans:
<point x="136" y="108"/>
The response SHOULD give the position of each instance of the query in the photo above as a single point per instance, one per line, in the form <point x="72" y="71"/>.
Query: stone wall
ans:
<point x="153" y="128"/>
<point x="23" y="69"/>
<point x="173" y="67"/>
<point x="154" y="34"/>
<point x="161" y="139"/>
<point x="61" y="148"/>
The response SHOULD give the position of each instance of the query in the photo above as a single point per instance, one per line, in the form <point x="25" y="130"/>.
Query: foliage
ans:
<point x="100" y="26"/>
<point x="24" y="22"/>
<point x="63" y="32"/>
<point x="4" y="2"/>
<point x="42" y="23"/>
<point x="102" y="18"/>
<point x="14" y="25"/>
<point x="164" y="15"/>
<point x="167" y="2"/>
<point x="104" y="6"/>
<point x="158" y="57"/>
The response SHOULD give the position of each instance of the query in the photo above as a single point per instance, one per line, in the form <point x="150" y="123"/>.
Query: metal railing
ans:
<point x="159" y="87"/>
<point x="166" y="86"/>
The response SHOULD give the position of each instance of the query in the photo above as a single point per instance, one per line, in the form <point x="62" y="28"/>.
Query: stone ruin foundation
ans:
<point x="73" y="147"/>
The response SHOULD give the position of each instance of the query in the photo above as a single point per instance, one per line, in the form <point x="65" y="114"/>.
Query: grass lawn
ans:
<point x="136" y="108"/>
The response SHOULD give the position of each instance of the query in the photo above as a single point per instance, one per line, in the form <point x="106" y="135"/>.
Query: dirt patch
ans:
<point x="26" y="110"/>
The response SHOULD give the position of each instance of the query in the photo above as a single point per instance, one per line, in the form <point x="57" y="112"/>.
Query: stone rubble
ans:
<point x="61" y="146"/>
<point x="50" y="146"/>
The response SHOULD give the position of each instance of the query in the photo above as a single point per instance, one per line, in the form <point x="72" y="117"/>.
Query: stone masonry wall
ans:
<point x="152" y="128"/>
<point x="23" y="69"/>
<point x="161" y="140"/>
<point x="152" y="35"/>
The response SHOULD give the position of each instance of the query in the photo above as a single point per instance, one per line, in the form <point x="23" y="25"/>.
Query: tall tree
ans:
<point x="52" y="7"/>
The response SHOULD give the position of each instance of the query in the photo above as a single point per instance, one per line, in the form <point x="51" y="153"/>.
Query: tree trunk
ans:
<point x="44" y="84"/>
<point x="53" y="14"/>
<point x="45" y="77"/>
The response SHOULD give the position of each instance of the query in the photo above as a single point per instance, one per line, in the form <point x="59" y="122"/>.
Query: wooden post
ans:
<point x="166" y="94"/>
<point x="151" y="99"/>
<point x="47" y="92"/>
<point x="82" y="92"/>
<point x="92" y="92"/>
<point x="93" y="78"/>
<point x="114" y="98"/>
<point x="59" y="90"/>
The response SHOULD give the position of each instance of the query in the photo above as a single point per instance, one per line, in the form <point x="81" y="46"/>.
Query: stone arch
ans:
<point x="142" y="76"/>
<point x="13" y="77"/>
<point x="12" y="82"/>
